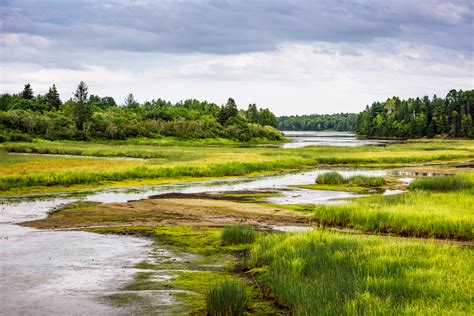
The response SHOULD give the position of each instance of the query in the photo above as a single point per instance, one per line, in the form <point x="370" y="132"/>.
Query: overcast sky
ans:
<point x="294" y="56"/>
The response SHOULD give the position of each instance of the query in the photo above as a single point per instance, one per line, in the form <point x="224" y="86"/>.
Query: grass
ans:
<point x="334" y="177"/>
<point x="326" y="273"/>
<point x="238" y="234"/>
<point x="175" y="160"/>
<point x="226" y="298"/>
<point x="444" y="183"/>
<point x="412" y="214"/>
<point x="330" y="178"/>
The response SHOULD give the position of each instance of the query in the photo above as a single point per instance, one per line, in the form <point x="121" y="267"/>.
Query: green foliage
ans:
<point x="227" y="298"/>
<point x="94" y="117"/>
<point x="237" y="234"/>
<point x="415" y="118"/>
<point x="328" y="273"/>
<point x="27" y="92"/>
<point x="318" y="122"/>
<point x="444" y="183"/>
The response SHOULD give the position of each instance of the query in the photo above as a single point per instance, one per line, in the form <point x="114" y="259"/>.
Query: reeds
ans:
<point x="357" y="180"/>
<point x="227" y="298"/>
<point x="328" y="273"/>
<point x="443" y="183"/>
<point x="238" y="234"/>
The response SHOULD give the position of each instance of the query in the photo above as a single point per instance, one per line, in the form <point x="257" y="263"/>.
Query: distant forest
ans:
<point x="318" y="122"/>
<point x="24" y="116"/>
<point x="413" y="118"/>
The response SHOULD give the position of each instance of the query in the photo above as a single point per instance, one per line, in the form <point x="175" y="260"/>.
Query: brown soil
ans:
<point x="155" y="212"/>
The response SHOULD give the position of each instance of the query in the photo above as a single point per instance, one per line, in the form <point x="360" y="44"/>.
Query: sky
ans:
<point x="293" y="56"/>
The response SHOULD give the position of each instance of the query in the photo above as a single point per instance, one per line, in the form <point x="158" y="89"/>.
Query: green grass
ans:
<point x="412" y="214"/>
<point x="174" y="160"/>
<point x="238" y="234"/>
<point x="444" y="183"/>
<point x="330" y="178"/>
<point x="226" y="298"/>
<point x="326" y="273"/>
<point x="335" y="178"/>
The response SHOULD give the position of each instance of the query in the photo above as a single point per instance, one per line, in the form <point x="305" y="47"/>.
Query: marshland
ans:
<point x="236" y="157"/>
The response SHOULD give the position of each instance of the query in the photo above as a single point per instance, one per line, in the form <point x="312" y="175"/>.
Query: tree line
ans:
<point x="318" y="122"/>
<point x="413" y="118"/>
<point x="85" y="116"/>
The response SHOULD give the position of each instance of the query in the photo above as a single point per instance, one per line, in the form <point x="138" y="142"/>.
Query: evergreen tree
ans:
<point x="52" y="97"/>
<point x="228" y="111"/>
<point x="27" y="92"/>
<point x="82" y="108"/>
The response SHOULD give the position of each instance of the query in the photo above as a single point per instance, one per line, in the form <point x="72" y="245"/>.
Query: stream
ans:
<point x="57" y="272"/>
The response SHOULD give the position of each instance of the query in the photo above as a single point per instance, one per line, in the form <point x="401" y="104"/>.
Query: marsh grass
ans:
<point x="412" y="214"/>
<point x="238" y="234"/>
<point x="227" y="298"/>
<point x="330" y="178"/>
<point x="334" y="177"/>
<point x="327" y="273"/>
<point x="444" y="183"/>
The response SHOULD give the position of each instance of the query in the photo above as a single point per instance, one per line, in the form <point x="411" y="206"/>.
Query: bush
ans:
<point x="238" y="234"/>
<point x="227" y="298"/>
<point x="330" y="178"/>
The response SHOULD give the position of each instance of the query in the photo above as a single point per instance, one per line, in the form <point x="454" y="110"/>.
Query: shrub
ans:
<point x="238" y="234"/>
<point x="330" y="178"/>
<point x="226" y="298"/>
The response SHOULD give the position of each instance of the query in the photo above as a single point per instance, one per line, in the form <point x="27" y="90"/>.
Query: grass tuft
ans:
<point x="358" y="180"/>
<point x="227" y="298"/>
<point x="238" y="234"/>
<point x="330" y="178"/>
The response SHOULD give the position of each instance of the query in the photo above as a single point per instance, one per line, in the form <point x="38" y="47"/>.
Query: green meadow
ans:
<point x="162" y="161"/>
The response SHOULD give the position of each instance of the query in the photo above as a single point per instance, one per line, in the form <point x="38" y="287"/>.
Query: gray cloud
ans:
<point x="229" y="27"/>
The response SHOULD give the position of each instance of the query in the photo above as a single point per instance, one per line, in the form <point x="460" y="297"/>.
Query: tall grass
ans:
<point x="444" y="184"/>
<point x="325" y="273"/>
<point x="227" y="298"/>
<point x="334" y="177"/>
<point x="238" y="234"/>
<point x="330" y="178"/>
<point x="142" y="172"/>
<point x="412" y="214"/>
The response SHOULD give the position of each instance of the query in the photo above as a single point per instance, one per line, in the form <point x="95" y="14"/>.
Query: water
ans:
<point x="304" y="139"/>
<point x="56" y="272"/>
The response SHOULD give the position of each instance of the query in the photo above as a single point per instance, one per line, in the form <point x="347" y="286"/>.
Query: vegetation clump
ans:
<point x="443" y="183"/>
<point x="330" y="178"/>
<point x="238" y="234"/>
<point x="357" y="180"/>
<point x="227" y="298"/>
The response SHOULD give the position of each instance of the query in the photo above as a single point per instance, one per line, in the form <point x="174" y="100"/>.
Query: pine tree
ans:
<point x="82" y="108"/>
<point x="27" y="92"/>
<point x="52" y="97"/>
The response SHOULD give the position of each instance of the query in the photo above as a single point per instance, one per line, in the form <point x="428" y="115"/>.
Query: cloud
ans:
<point x="294" y="56"/>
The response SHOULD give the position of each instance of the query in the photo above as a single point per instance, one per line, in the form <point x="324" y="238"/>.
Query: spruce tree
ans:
<point x="27" y="92"/>
<point x="52" y="97"/>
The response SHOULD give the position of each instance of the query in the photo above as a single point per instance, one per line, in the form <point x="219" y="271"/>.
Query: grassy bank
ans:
<point x="22" y="173"/>
<point x="413" y="214"/>
<point x="324" y="273"/>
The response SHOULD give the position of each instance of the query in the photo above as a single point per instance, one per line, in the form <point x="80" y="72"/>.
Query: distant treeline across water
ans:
<point x="451" y="116"/>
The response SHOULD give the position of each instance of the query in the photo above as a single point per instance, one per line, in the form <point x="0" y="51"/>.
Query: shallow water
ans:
<point x="304" y="139"/>
<point x="56" y="272"/>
